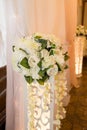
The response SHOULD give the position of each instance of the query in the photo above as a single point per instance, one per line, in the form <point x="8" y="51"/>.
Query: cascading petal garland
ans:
<point x="81" y="31"/>
<point x="42" y="61"/>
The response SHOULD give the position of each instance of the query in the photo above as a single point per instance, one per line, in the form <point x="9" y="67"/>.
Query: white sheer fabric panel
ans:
<point x="26" y="17"/>
<point x="2" y="51"/>
<point x="15" y="85"/>
<point x="47" y="16"/>
<point x="2" y="35"/>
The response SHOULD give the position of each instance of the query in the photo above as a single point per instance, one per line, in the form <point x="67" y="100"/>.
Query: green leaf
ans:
<point x="66" y="67"/>
<point x="13" y="48"/>
<point x="23" y="50"/>
<point x="18" y="64"/>
<point x="60" y="48"/>
<point x="37" y="37"/>
<point x="50" y="66"/>
<point x="49" y="48"/>
<point x="24" y="63"/>
<point x="43" y="42"/>
<point x="42" y="73"/>
<point x="29" y="79"/>
<point x="66" y="57"/>
<point x="45" y="77"/>
<point x="40" y="64"/>
<point x="40" y="81"/>
<point x="53" y="46"/>
<point x="51" y="52"/>
<point x="59" y="68"/>
<point x="44" y="46"/>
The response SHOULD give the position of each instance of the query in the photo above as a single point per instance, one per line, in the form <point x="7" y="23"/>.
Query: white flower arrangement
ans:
<point x="81" y="31"/>
<point x="39" y="57"/>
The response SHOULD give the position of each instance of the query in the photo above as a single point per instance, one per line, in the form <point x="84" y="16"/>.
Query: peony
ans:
<point x="29" y="43"/>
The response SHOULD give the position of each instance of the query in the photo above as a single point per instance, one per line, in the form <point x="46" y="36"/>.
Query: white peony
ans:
<point x="29" y="43"/>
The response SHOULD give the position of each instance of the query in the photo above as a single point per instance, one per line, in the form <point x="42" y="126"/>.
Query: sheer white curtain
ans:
<point x="26" y="17"/>
<point x="15" y="23"/>
<point x="2" y="35"/>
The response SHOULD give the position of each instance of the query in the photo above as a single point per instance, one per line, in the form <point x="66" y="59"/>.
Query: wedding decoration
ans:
<point x="79" y="43"/>
<point x="81" y="31"/>
<point x="42" y="61"/>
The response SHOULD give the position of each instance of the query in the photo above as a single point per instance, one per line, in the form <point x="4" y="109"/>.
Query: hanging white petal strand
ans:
<point x="42" y="61"/>
<point x="81" y="31"/>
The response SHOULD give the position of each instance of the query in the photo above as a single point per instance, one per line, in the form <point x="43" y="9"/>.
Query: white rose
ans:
<point x="18" y="55"/>
<point x="25" y="71"/>
<point x="34" y="72"/>
<point x="48" y="61"/>
<point x="52" y="71"/>
<point x="48" y="44"/>
<point x="33" y="60"/>
<point x="59" y="59"/>
<point x="44" y="53"/>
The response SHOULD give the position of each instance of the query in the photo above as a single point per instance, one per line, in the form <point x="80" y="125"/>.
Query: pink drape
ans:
<point x="71" y="23"/>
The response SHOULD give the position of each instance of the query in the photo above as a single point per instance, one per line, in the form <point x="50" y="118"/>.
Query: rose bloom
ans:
<point x="44" y="53"/>
<point x="52" y="71"/>
<point x="18" y="55"/>
<point x="48" y="61"/>
<point x="59" y="59"/>
<point x="33" y="60"/>
<point x="34" y="72"/>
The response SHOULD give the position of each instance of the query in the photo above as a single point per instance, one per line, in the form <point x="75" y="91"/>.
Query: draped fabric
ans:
<point x="2" y="35"/>
<point x="24" y="17"/>
<point x="2" y="51"/>
<point x="71" y="23"/>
